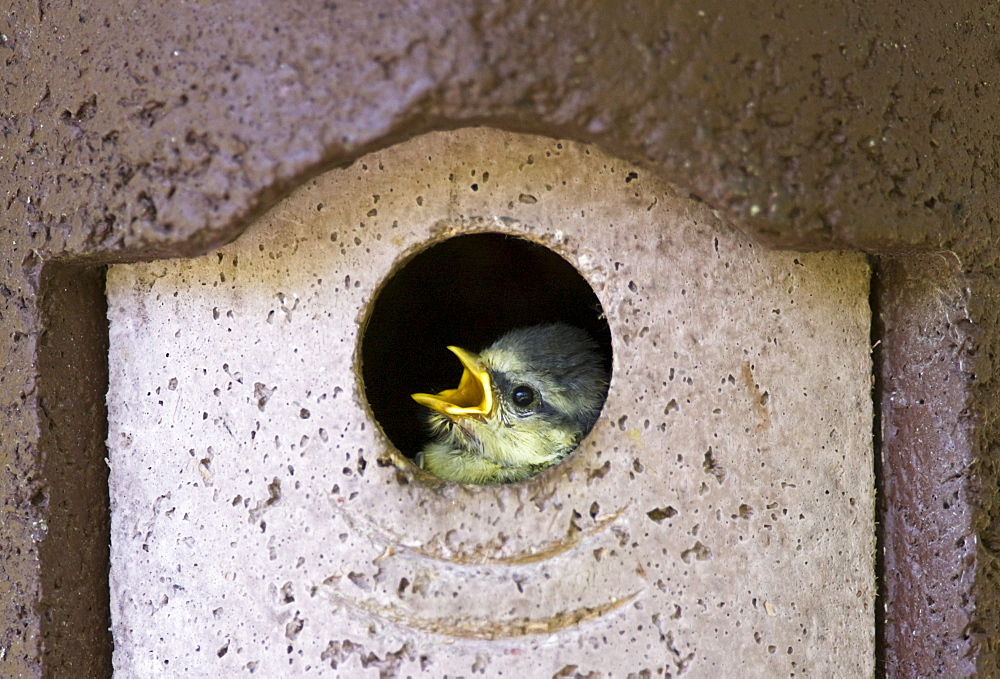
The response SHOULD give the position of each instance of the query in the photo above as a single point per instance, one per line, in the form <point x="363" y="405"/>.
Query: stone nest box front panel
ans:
<point x="717" y="521"/>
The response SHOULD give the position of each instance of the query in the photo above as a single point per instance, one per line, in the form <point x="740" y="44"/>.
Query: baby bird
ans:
<point x="521" y="406"/>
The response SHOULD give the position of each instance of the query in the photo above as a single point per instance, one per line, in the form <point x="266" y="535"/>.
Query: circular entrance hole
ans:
<point x="466" y="291"/>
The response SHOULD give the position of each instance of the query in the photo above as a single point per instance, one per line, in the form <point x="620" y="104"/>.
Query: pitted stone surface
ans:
<point x="717" y="521"/>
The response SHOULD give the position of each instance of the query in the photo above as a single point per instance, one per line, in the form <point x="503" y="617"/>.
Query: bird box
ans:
<point x="267" y="515"/>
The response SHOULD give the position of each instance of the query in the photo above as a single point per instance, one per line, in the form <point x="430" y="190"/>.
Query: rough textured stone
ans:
<point x="718" y="520"/>
<point x="130" y="131"/>
<point x="160" y="130"/>
<point x="930" y="561"/>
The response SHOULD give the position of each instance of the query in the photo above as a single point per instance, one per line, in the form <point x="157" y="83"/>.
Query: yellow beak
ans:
<point x="474" y="395"/>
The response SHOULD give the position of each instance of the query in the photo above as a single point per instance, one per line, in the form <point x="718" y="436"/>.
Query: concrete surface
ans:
<point x="132" y="131"/>
<point x="717" y="521"/>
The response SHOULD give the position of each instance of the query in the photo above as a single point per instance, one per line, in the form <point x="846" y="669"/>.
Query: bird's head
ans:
<point x="522" y="404"/>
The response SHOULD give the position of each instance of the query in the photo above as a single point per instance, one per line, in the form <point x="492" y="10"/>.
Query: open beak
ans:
<point x="473" y="396"/>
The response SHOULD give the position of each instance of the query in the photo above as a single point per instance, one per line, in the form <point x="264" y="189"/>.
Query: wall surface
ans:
<point x="718" y="521"/>
<point x="131" y="131"/>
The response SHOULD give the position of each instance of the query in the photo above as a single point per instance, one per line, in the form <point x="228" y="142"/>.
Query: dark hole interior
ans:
<point x="466" y="291"/>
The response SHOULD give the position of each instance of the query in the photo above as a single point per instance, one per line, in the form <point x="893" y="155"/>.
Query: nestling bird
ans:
<point x="521" y="406"/>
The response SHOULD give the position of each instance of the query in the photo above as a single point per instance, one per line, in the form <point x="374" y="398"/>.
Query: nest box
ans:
<point x="267" y="517"/>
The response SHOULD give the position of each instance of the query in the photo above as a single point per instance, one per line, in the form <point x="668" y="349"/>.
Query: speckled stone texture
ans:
<point x="926" y="513"/>
<point x="161" y="129"/>
<point x="130" y="131"/>
<point x="717" y="522"/>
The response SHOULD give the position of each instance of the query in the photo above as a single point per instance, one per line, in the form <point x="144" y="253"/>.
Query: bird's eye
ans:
<point x="523" y="396"/>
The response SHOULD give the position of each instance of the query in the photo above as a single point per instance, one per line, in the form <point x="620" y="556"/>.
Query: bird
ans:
<point x="522" y="405"/>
